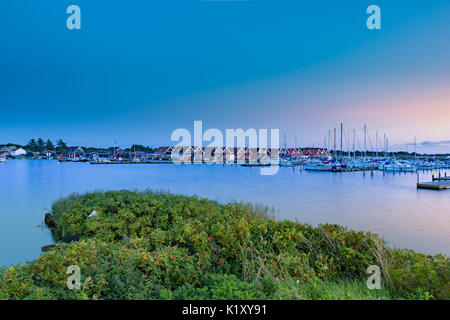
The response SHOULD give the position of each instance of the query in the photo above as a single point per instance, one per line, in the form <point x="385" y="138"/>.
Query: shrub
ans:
<point x="189" y="248"/>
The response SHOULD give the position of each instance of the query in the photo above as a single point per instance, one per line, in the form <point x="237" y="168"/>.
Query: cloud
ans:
<point x="428" y="147"/>
<point x="435" y="143"/>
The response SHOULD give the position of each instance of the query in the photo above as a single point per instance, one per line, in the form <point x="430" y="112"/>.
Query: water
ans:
<point x="386" y="204"/>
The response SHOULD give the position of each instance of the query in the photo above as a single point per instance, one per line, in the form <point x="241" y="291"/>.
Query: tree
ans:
<point x="49" y="145"/>
<point x="32" y="145"/>
<point x="138" y="147"/>
<point x="40" y="144"/>
<point x="61" y="146"/>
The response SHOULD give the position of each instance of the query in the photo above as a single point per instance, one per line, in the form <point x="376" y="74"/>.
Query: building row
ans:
<point x="186" y="153"/>
<point x="237" y="153"/>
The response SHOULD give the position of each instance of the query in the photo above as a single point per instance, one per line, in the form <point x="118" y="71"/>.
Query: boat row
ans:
<point x="387" y="165"/>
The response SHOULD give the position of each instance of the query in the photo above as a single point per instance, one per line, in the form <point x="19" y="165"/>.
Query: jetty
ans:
<point x="352" y="169"/>
<point x="256" y="165"/>
<point x="133" y="162"/>
<point x="439" y="183"/>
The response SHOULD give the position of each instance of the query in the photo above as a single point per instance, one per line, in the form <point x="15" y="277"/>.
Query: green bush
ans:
<point x="189" y="248"/>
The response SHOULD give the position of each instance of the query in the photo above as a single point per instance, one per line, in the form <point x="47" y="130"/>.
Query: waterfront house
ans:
<point x="12" y="151"/>
<point x="163" y="153"/>
<point x="294" y="152"/>
<point x="176" y="154"/>
<point x="323" y="152"/>
<point x="251" y="154"/>
<point x="239" y="154"/>
<point x="219" y="153"/>
<point x="274" y="153"/>
<point x="8" y="150"/>
<point x="315" y="152"/>
<point x="187" y="153"/>
<point x="32" y="154"/>
<point x="18" y="152"/>
<point x="209" y="154"/>
<point x="263" y="153"/>
<point x="99" y="155"/>
<point x="198" y="154"/>
<point x="48" y="153"/>
<point x="114" y="152"/>
<point x="75" y="152"/>
<point x="283" y="152"/>
<point x="229" y="155"/>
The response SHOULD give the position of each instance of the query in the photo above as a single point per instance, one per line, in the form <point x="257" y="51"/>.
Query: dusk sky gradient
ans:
<point x="138" y="70"/>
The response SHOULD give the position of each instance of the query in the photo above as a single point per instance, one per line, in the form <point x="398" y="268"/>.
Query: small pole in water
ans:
<point x="417" y="177"/>
<point x="432" y="177"/>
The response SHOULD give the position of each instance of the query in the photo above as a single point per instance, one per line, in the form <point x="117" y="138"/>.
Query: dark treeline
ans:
<point x="39" y="145"/>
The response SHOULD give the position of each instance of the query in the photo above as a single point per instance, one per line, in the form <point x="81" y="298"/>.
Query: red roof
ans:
<point x="163" y="150"/>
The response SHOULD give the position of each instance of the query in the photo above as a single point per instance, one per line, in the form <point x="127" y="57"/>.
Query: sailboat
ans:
<point x="317" y="165"/>
<point x="398" y="166"/>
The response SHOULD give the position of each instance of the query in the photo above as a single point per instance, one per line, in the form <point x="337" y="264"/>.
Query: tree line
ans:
<point x="41" y="145"/>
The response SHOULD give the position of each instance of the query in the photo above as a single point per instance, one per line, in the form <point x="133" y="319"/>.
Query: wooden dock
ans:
<point x="435" y="185"/>
<point x="257" y="165"/>
<point x="352" y="169"/>
<point x="439" y="183"/>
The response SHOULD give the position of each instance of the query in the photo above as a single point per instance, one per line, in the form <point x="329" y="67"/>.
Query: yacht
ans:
<point x="318" y="166"/>
<point x="398" y="166"/>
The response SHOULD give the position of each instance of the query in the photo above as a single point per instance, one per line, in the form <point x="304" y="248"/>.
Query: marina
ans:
<point x="358" y="199"/>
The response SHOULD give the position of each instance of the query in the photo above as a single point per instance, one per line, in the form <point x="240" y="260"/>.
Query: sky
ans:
<point x="138" y="70"/>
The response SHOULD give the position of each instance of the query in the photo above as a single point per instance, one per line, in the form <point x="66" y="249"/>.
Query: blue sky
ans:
<point x="136" y="71"/>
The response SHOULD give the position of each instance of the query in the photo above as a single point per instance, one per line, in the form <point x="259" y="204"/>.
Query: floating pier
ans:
<point x="434" y="185"/>
<point x="133" y="162"/>
<point x="352" y="169"/>
<point x="440" y="183"/>
<point x="257" y="165"/>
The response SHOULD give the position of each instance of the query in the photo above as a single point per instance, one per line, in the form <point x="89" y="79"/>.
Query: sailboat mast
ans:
<point x="376" y="144"/>
<point x="342" y="129"/>
<point x="329" y="141"/>
<point x="335" y="142"/>
<point x="387" y="145"/>
<point x="354" y="139"/>
<point x="415" y="149"/>
<point x="365" y="141"/>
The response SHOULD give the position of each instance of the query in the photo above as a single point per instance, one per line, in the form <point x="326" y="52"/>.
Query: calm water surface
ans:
<point x="386" y="204"/>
